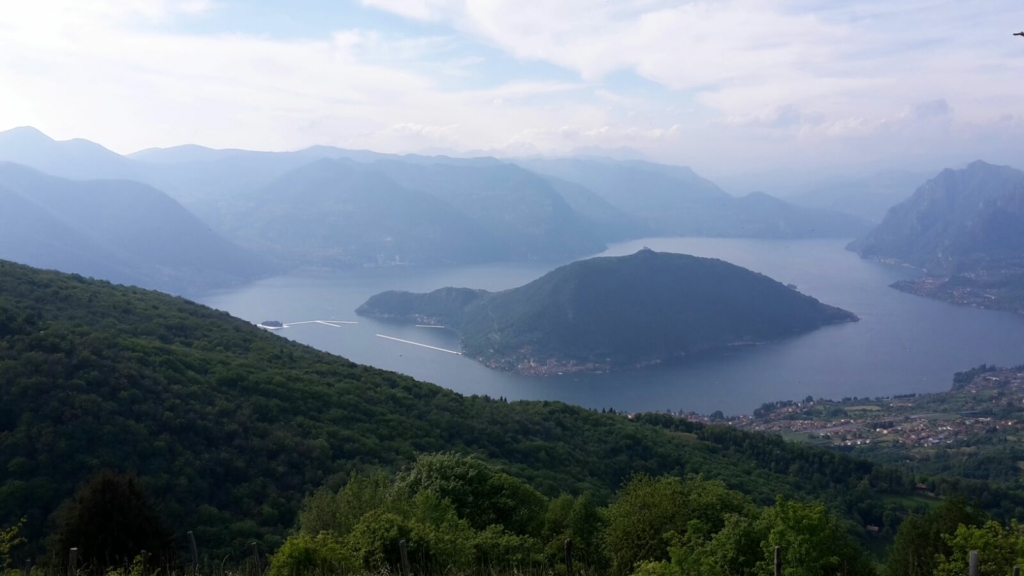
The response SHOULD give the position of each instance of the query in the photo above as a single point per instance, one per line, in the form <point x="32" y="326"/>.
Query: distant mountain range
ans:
<point x="965" y="229"/>
<point x="674" y="200"/>
<point x="117" y="230"/>
<point x="335" y="213"/>
<point x="612" y="313"/>
<point x="867" y="197"/>
<point x="330" y="207"/>
<point x="522" y="209"/>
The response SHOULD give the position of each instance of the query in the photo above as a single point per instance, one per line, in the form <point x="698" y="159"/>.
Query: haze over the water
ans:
<point x="728" y="87"/>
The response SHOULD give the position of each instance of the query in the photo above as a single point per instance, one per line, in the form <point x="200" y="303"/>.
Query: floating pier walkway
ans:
<point x="332" y="323"/>
<point x="418" y="344"/>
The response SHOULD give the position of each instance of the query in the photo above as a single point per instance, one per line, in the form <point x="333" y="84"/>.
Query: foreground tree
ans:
<point x="999" y="548"/>
<point x="921" y="540"/>
<point x="111" y="521"/>
<point x="813" y="541"/>
<point x="650" y="514"/>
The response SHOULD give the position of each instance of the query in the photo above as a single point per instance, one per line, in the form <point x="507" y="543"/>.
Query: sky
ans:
<point x="723" y="86"/>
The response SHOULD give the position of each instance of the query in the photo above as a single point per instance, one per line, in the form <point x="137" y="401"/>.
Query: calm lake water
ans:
<point x="902" y="344"/>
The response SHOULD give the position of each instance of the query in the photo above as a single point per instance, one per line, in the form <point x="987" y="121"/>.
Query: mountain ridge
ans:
<point x="675" y="200"/>
<point x="127" y="232"/>
<point x="965" y="230"/>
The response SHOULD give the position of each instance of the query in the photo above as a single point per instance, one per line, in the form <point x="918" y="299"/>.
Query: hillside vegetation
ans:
<point x="229" y="427"/>
<point x="226" y="422"/>
<point x="606" y="313"/>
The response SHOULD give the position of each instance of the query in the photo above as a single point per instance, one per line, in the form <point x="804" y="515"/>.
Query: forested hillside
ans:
<point x="229" y="427"/>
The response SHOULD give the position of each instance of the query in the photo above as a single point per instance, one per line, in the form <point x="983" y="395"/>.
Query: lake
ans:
<point x="902" y="344"/>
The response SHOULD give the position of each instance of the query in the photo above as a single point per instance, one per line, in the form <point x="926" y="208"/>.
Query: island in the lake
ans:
<point x="614" y="313"/>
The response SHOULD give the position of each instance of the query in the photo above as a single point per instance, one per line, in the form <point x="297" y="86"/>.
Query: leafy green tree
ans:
<point x="921" y="540"/>
<point x="999" y="548"/>
<point x="813" y="541"/>
<point x="339" y="512"/>
<point x="497" y="550"/>
<point x="10" y="538"/>
<point x="304" y="554"/>
<point x="437" y="538"/>
<point x="370" y="515"/>
<point x="480" y="494"/>
<point x="579" y="519"/>
<point x="111" y="521"/>
<point x="734" y="551"/>
<point x="649" y="513"/>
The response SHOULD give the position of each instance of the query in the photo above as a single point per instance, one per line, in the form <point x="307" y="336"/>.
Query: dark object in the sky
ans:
<point x="1021" y="34"/>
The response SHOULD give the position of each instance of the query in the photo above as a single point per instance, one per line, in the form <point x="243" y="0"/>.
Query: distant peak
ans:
<point x="26" y="132"/>
<point x="979" y="164"/>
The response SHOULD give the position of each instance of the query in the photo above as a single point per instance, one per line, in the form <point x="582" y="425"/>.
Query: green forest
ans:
<point x="194" y="421"/>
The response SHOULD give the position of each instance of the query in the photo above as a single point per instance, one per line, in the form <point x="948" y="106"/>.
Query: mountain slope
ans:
<point x="29" y="234"/>
<point x="337" y="213"/>
<point x="607" y="313"/>
<point x="202" y="178"/>
<point x="965" y="228"/>
<point x="118" y="230"/>
<point x="868" y="198"/>
<point x="665" y="202"/>
<point x="78" y="159"/>
<point x="959" y="220"/>
<point x="610" y="223"/>
<point x="519" y="207"/>
<point x="762" y="216"/>
<point x="675" y="200"/>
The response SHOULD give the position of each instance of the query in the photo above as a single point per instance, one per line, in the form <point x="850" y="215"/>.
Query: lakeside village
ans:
<point x="984" y="400"/>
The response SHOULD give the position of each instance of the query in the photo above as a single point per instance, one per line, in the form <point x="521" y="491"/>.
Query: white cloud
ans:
<point x="418" y="9"/>
<point x="106" y="79"/>
<point x="830" y="68"/>
<point x="738" y="81"/>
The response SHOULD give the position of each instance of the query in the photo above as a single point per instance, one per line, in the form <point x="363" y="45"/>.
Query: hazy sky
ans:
<point x="717" y="85"/>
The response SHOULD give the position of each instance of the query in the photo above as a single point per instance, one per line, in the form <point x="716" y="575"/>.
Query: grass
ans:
<point x="914" y="501"/>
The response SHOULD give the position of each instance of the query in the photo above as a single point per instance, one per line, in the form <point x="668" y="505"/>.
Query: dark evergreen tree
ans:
<point x="111" y="521"/>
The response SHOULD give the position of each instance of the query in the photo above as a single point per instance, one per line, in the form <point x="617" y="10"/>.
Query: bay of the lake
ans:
<point x="902" y="344"/>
